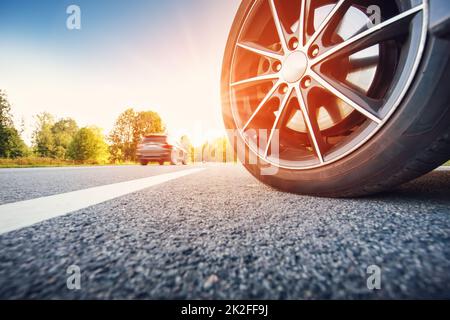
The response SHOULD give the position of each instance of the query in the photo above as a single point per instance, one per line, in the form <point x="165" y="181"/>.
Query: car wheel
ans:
<point x="329" y="101"/>
<point x="144" y="163"/>
<point x="161" y="163"/>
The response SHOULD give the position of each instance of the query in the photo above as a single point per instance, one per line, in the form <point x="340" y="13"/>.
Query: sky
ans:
<point x="157" y="55"/>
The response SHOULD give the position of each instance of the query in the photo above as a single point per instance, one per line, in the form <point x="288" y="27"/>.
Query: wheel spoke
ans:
<point x="313" y="127"/>
<point x="277" y="120"/>
<point x="301" y="23"/>
<point x="252" y="81"/>
<point x="260" y="50"/>
<point x="351" y="98"/>
<point x="278" y="26"/>
<point x="261" y="105"/>
<point x="326" y="22"/>
<point x="387" y="30"/>
<point x="327" y="56"/>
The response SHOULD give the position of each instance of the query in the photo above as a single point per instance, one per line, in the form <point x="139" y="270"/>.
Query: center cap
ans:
<point x="294" y="67"/>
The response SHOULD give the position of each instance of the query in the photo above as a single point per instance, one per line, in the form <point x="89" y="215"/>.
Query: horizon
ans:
<point x="119" y="59"/>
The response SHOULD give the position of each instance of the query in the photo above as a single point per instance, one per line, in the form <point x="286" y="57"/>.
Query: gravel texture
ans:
<point x="221" y="234"/>
<point x="25" y="184"/>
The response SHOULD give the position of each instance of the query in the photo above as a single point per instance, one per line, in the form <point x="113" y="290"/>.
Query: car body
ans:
<point x="161" y="148"/>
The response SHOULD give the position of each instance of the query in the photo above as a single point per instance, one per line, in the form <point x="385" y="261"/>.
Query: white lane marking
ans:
<point x="23" y="214"/>
<point x="443" y="168"/>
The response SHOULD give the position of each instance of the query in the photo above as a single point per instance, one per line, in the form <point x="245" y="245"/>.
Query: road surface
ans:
<point x="213" y="231"/>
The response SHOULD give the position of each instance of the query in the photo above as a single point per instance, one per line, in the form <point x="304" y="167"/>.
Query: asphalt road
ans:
<point x="220" y="234"/>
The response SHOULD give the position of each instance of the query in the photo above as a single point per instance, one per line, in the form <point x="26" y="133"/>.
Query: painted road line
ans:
<point x="23" y="214"/>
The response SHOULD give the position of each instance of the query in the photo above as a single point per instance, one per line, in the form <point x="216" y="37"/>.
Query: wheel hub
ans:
<point x="294" y="67"/>
<point x="323" y="82"/>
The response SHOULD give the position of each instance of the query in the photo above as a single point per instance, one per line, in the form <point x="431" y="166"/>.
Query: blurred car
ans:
<point x="161" y="148"/>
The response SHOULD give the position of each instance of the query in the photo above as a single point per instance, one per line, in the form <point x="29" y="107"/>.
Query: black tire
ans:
<point x="414" y="141"/>
<point x="161" y="163"/>
<point x="143" y="163"/>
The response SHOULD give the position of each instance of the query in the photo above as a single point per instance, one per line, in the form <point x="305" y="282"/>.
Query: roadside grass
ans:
<point x="36" y="162"/>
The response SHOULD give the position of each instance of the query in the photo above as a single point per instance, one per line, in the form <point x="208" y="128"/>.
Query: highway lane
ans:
<point x="219" y="233"/>
<point x="29" y="183"/>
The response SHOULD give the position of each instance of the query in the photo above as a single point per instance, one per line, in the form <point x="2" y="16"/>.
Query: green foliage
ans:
<point x="44" y="142"/>
<point x="128" y="130"/>
<point x="145" y="123"/>
<point x="5" y="111"/>
<point x="121" y="137"/>
<point x="63" y="139"/>
<point x="88" y="145"/>
<point x="31" y="161"/>
<point x="11" y="144"/>
<point x="52" y="139"/>
<point x="63" y="133"/>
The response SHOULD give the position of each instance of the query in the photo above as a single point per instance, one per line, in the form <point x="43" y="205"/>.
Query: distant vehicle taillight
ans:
<point x="167" y="146"/>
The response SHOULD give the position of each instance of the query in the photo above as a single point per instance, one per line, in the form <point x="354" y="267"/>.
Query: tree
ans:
<point x="43" y="140"/>
<point x="121" y="136"/>
<point x="63" y="133"/>
<point x="129" y="128"/>
<point x="52" y="139"/>
<point x="5" y="111"/>
<point x="145" y="123"/>
<point x="11" y="144"/>
<point x="88" y="145"/>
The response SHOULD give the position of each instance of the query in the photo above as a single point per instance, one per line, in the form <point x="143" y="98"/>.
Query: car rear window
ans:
<point x="154" y="139"/>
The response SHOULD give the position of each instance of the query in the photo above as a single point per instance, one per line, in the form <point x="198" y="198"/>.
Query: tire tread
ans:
<point x="428" y="160"/>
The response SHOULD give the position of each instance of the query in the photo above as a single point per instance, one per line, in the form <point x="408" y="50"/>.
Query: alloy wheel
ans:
<point x="322" y="77"/>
